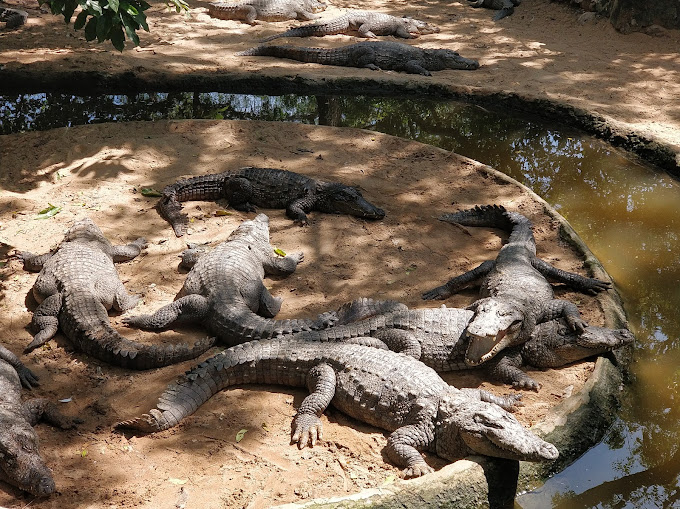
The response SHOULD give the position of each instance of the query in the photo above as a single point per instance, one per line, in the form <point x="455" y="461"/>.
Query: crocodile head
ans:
<point x="416" y="27"/>
<point x="314" y="5"/>
<point x="341" y="199"/>
<point x="448" y="59"/>
<point x="84" y="229"/>
<point x="20" y="461"/>
<point x="470" y="426"/>
<point x="555" y="344"/>
<point x="496" y="324"/>
<point x="252" y="230"/>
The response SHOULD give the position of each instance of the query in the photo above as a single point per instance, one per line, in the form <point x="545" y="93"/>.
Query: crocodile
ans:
<point x="438" y="338"/>
<point x="554" y="344"/>
<point x="76" y="286"/>
<point x="374" y="55"/>
<point x="266" y="10"/>
<point x="248" y="187"/>
<point x="367" y="24"/>
<point x="515" y="294"/>
<point x="20" y="462"/>
<point x="504" y="7"/>
<point x="13" y="18"/>
<point x="224" y="290"/>
<point x="388" y="390"/>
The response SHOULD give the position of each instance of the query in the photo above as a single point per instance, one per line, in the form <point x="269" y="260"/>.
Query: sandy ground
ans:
<point x="544" y="50"/>
<point x="98" y="171"/>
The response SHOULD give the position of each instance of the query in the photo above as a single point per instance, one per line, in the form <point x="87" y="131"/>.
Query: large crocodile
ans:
<point x="504" y="7"/>
<point x="266" y="10"/>
<point x="12" y="18"/>
<point x="438" y="337"/>
<point x="76" y="286"/>
<point x="374" y="55"/>
<point x="20" y="462"/>
<point x="248" y="187"/>
<point x="225" y="292"/>
<point x="382" y="388"/>
<point x="515" y="294"/>
<point x="367" y="24"/>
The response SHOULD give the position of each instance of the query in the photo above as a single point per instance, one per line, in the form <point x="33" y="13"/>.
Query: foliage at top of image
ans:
<point x="109" y="19"/>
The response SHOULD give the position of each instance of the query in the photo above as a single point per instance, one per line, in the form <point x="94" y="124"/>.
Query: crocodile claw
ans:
<point x="307" y="429"/>
<point x="417" y="470"/>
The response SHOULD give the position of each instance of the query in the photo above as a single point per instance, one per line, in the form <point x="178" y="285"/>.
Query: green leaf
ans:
<point x="69" y="8"/>
<point x="80" y="20"/>
<point x="132" y="35"/>
<point x="50" y="211"/>
<point x="177" y="481"/>
<point x="140" y="18"/>
<point x="104" y="27"/>
<point x="279" y="252"/>
<point x="114" y="5"/>
<point x="241" y="434"/>
<point x="117" y="38"/>
<point x="91" y="29"/>
<point x="83" y="453"/>
<point x="94" y="8"/>
<point x="150" y="192"/>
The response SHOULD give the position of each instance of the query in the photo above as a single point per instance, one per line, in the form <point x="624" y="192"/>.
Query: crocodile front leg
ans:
<point x="557" y="308"/>
<point x="404" y="443"/>
<point x="297" y="210"/>
<point x="238" y="191"/>
<point x="306" y="427"/>
<point x="39" y="409"/>
<point x="26" y="376"/>
<point x="128" y="251"/>
<point x="414" y="67"/>
<point x="506" y="368"/>
<point x="459" y="282"/>
<point x="576" y="281"/>
<point x="33" y="262"/>
<point x="45" y="321"/>
<point x="189" y="308"/>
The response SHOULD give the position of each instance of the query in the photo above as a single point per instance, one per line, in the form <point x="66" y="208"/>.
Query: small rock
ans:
<point x="586" y="17"/>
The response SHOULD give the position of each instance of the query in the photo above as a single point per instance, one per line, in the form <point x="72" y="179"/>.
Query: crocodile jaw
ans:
<point x="497" y="324"/>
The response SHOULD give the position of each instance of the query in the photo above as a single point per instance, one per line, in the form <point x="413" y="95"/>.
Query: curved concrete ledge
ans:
<point x="27" y="79"/>
<point x="573" y="426"/>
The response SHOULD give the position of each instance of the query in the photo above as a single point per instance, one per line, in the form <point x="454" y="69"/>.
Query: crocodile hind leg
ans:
<point x="506" y="368"/>
<point x="39" y="409"/>
<point x="238" y="191"/>
<point x="259" y="300"/>
<point x="189" y="308"/>
<point x="459" y="282"/>
<point x="306" y="427"/>
<point x="33" y="262"/>
<point x="129" y="251"/>
<point x="404" y="444"/>
<point x="45" y="321"/>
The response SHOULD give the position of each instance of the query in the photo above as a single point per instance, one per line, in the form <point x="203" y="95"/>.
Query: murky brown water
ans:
<point x="627" y="213"/>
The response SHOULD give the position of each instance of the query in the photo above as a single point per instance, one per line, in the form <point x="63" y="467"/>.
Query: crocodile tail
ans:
<point x="332" y="27"/>
<point x="299" y="53"/>
<point x="493" y="216"/>
<point x="237" y="365"/>
<point x="109" y="346"/>
<point x="362" y="308"/>
<point x="255" y="327"/>
<point x="203" y="188"/>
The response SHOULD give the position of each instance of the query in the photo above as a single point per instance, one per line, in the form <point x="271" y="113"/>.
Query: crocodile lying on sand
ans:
<point x="382" y="388"/>
<point x="504" y="7"/>
<point x="367" y="24"/>
<point x="515" y="294"/>
<point x="374" y="55"/>
<point x="266" y="10"/>
<point x="76" y="286"/>
<point x="249" y="187"/>
<point x="20" y="462"/>
<point x="12" y="18"/>
<point x="438" y="338"/>
<point x="224" y="290"/>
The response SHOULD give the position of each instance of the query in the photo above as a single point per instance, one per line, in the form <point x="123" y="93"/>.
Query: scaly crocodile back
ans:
<point x="324" y="56"/>
<point x="335" y="26"/>
<point x="361" y="390"/>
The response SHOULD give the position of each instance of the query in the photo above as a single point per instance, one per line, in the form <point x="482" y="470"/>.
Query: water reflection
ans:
<point x="626" y="212"/>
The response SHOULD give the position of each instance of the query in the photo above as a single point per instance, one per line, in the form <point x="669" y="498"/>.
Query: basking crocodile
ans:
<point x="382" y="388"/>
<point x="375" y="55"/>
<point x="554" y="344"/>
<point x="504" y="7"/>
<point x="20" y="462"/>
<point x="266" y="10"/>
<point x="438" y="338"/>
<point x="515" y="292"/>
<point x="248" y="187"/>
<point x="13" y="18"/>
<point x="76" y="286"/>
<point x="367" y="24"/>
<point x="224" y="290"/>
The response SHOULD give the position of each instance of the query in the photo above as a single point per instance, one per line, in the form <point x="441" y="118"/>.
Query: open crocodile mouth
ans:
<point x="483" y="348"/>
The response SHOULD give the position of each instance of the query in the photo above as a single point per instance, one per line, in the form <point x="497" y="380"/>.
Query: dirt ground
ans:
<point x="545" y="50"/>
<point x="99" y="170"/>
